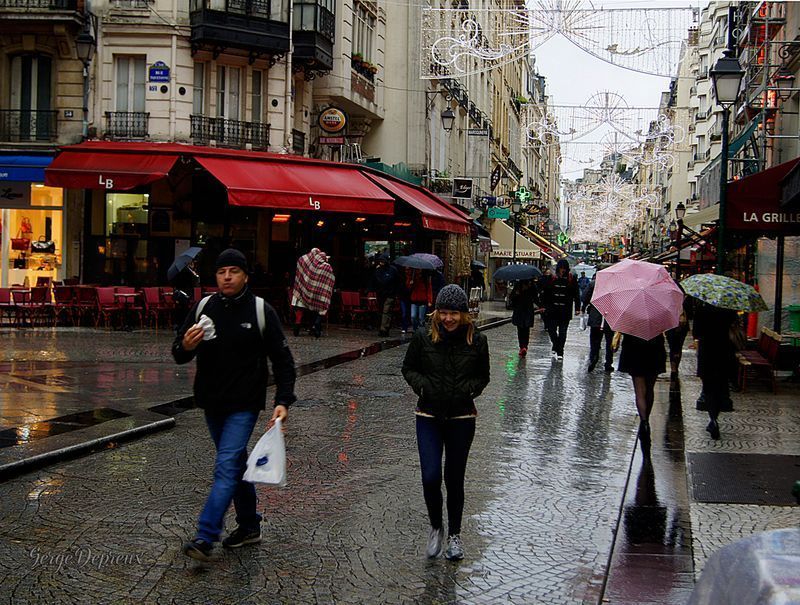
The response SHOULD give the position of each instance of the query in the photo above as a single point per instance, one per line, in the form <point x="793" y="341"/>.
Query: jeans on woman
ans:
<point x="230" y="433"/>
<point x="454" y="438"/>
<point x="418" y="315"/>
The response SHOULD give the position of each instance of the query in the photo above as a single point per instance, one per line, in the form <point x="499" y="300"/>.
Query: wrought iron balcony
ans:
<point x="23" y="125"/>
<point x="259" y="26"/>
<point x="127" y="124"/>
<point x="314" y="30"/>
<point x="39" y="11"/>
<point x="229" y="133"/>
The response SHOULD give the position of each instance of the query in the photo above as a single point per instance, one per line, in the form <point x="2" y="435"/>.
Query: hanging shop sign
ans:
<point x="332" y="120"/>
<point x="494" y="180"/>
<point x="15" y="195"/>
<point x="159" y="72"/>
<point x="462" y="189"/>
<point x="495" y="212"/>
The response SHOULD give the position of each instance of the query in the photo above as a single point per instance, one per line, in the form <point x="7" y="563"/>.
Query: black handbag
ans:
<point x="43" y="246"/>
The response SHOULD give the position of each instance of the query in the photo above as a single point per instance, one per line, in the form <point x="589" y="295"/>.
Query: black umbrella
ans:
<point x="476" y="264"/>
<point x="182" y="261"/>
<point x="516" y="273"/>
<point x="414" y="262"/>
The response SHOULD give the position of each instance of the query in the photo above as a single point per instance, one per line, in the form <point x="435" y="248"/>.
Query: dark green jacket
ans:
<point x="448" y="375"/>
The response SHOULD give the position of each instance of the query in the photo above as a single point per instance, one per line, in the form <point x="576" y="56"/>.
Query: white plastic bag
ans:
<point x="267" y="461"/>
<point x="584" y="321"/>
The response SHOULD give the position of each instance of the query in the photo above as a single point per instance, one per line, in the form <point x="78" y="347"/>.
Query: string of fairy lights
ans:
<point x="459" y="42"/>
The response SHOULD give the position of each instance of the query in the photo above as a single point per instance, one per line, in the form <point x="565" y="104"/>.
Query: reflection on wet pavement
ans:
<point x="652" y="560"/>
<point x="57" y="426"/>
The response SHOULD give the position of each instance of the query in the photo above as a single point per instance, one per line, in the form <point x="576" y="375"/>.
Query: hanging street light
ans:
<point x="784" y="80"/>
<point x="727" y="77"/>
<point x="448" y="119"/>
<point x="85" y="46"/>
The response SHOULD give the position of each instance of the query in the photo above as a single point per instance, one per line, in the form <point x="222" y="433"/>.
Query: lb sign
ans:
<point x="332" y="120"/>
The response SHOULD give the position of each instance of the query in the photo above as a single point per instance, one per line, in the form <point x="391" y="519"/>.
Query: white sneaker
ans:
<point x="553" y="354"/>
<point x="455" y="549"/>
<point x="435" y="540"/>
<point x="560" y="357"/>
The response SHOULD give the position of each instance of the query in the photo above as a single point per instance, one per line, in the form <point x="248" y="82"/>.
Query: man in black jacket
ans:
<point x="386" y="283"/>
<point x="231" y="344"/>
<point x="559" y="298"/>
<point x="599" y="329"/>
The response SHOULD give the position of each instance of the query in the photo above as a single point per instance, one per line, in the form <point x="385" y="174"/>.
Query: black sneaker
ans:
<point x="198" y="549"/>
<point x="240" y="536"/>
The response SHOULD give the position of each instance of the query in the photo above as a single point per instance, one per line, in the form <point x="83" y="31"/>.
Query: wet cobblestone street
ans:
<point x="554" y="472"/>
<point x="544" y="483"/>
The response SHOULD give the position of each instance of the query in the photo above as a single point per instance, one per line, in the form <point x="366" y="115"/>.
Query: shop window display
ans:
<point x="127" y="231"/>
<point x="35" y="235"/>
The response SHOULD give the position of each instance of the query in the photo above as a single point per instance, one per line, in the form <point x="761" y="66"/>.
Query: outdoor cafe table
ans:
<point x="127" y="299"/>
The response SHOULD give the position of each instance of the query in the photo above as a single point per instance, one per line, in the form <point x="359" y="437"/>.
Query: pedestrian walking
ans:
<point x="598" y="330"/>
<point x="313" y="289"/>
<point x="387" y="284"/>
<point x="231" y="344"/>
<point x="525" y="304"/>
<point x="716" y="355"/>
<point x="447" y="366"/>
<point x="583" y="283"/>
<point x="675" y="339"/>
<point x="644" y="360"/>
<point x="404" y="296"/>
<point x="560" y="300"/>
<point x="420" y="293"/>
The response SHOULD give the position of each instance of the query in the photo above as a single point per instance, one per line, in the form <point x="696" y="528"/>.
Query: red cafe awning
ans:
<point x="754" y="203"/>
<point x="97" y="165"/>
<point x="297" y="185"/>
<point x="435" y="213"/>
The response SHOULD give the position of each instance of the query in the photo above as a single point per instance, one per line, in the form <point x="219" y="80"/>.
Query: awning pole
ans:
<point x="777" y="309"/>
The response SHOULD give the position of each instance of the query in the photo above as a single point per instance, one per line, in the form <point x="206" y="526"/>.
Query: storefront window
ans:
<point x="126" y="214"/>
<point x="34" y="232"/>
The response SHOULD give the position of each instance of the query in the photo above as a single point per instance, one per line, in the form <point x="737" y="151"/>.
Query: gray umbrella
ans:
<point x="516" y="273"/>
<point x="182" y="261"/>
<point x="414" y="262"/>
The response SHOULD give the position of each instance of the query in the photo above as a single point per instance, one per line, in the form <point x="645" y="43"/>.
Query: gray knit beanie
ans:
<point x="452" y="298"/>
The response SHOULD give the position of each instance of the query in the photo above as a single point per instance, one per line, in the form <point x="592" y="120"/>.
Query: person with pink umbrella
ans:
<point x="642" y="301"/>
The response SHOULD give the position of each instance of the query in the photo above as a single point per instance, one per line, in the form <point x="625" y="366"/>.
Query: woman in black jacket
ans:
<point x="447" y="367"/>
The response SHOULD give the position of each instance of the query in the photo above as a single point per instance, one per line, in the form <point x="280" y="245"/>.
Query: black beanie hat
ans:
<point x="452" y="298"/>
<point x="232" y="258"/>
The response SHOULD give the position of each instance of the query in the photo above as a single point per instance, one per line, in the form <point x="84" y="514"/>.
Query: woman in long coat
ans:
<point x="716" y="356"/>
<point x="447" y="366"/>
<point x="524" y="302"/>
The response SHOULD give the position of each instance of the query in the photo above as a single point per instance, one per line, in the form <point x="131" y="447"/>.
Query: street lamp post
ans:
<point x="516" y="208"/>
<point x="680" y="212"/>
<point x="85" y="45"/>
<point x="727" y="77"/>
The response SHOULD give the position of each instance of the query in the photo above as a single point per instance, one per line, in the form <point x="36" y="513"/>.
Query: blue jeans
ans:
<point x="230" y="433"/>
<point x="418" y="315"/>
<point x="453" y="437"/>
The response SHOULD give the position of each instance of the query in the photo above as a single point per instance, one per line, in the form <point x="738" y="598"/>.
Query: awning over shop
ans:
<point x="297" y="185"/>
<point x="739" y="142"/>
<point x="436" y="214"/>
<point x="24" y="168"/>
<point x="702" y="217"/>
<point x="99" y="165"/>
<point x="754" y="203"/>
<point x="504" y="235"/>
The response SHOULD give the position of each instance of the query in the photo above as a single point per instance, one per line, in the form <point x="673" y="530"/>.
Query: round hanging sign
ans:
<point x="332" y="120"/>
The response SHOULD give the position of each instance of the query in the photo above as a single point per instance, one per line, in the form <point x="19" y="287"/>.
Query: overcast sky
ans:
<point x="573" y="75"/>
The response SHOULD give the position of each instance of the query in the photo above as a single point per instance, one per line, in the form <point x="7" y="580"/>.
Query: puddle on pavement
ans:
<point x="57" y="426"/>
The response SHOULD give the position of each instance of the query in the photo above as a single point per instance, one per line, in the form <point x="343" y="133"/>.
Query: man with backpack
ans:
<point x="231" y="334"/>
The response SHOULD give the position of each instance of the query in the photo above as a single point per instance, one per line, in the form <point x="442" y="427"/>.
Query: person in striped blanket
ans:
<point x="313" y="289"/>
